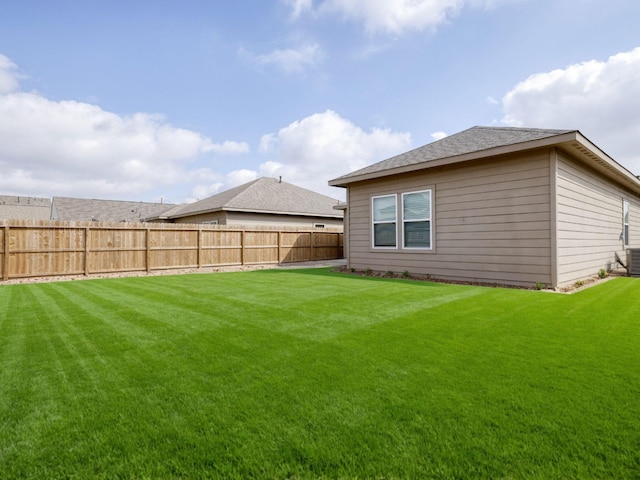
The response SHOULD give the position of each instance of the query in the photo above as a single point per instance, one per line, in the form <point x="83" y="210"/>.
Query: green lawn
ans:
<point x="313" y="374"/>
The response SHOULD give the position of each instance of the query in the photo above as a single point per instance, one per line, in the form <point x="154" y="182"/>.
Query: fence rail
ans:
<point x="52" y="248"/>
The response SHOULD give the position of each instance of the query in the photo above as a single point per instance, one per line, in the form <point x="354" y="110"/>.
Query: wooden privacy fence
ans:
<point x="40" y="249"/>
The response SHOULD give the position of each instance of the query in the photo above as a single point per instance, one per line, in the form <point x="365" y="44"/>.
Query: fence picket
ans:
<point x="49" y="248"/>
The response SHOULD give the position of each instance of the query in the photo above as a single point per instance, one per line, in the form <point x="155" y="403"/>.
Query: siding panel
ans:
<point x="491" y="222"/>
<point x="589" y="221"/>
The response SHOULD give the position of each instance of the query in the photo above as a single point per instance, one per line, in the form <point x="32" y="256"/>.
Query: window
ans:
<point x="384" y="221"/>
<point x="416" y="219"/>
<point x="625" y="223"/>
<point x="318" y="225"/>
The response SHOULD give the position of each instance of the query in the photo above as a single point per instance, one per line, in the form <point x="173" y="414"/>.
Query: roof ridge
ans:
<point x="264" y="194"/>
<point x="522" y="129"/>
<point x="109" y="200"/>
<point x="248" y="187"/>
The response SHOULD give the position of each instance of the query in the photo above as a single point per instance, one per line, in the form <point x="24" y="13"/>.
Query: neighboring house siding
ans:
<point x="491" y="221"/>
<point x="249" y="219"/>
<point x="261" y="219"/>
<point x="589" y="221"/>
<point x="220" y="217"/>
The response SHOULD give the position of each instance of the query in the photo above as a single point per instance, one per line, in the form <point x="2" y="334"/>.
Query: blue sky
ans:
<point x="149" y="100"/>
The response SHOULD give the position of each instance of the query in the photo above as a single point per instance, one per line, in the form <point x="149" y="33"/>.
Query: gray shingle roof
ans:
<point x="24" y="208"/>
<point x="265" y="195"/>
<point x="82" y="209"/>
<point x="474" y="139"/>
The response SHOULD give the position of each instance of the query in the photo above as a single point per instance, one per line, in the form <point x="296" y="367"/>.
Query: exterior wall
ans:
<point x="254" y="219"/>
<point x="589" y="221"/>
<point x="242" y="218"/>
<point x="491" y="221"/>
<point x="220" y="217"/>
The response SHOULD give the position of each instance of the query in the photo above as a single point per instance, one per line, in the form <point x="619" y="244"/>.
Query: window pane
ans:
<point x="417" y="234"/>
<point x="417" y="206"/>
<point x="384" y="235"/>
<point x="626" y="235"/>
<point x="626" y="212"/>
<point x="384" y="209"/>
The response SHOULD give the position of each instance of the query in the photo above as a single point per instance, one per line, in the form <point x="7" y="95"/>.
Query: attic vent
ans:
<point x="633" y="262"/>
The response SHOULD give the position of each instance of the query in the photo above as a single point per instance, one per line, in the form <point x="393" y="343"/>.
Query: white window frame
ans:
<point x="625" y="223"/>
<point x="415" y="220"/>
<point x="379" y="222"/>
<point x="318" y="225"/>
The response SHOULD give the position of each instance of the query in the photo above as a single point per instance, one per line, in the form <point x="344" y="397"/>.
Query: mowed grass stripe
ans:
<point x="93" y="303"/>
<point x="73" y="352"/>
<point x="313" y="374"/>
<point x="35" y="387"/>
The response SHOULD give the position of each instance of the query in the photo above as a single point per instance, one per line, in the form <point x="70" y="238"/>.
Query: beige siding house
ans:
<point x="265" y="201"/>
<point x="497" y="205"/>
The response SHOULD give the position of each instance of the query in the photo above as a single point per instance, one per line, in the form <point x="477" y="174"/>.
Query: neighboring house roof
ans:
<point x="24" y="208"/>
<point x="480" y="142"/>
<point x="82" y="209"/>
<point x="264" y="195"/>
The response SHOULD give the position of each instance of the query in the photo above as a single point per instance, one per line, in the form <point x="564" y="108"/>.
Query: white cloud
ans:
<point x="229" y="148"/>
<point x="599" y="98"/>
<point x="8" y="75"/>
<point x="220" y="183"/>
<point x="312" y="151"/>
<point x="298" y="7"/>
<point x="267" y="142"/>
<point x="395" y="16"/>
<point x="290" y="60"/>
<point x="70" y="148"/>
<point x="200" y="192"/>
<point x="438" y="135"/>
<point x="240" y="177"/>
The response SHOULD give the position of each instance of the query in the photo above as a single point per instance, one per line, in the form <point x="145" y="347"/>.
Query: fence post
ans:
<point x="5" y="267"/>
<point x="86" y="251"/>
<point x="199" y="253"/>
<point x="241" y="247"/>
<point x="279" y="247"/>
<point x="312" y="251"/>
<point x="148" y="249"/>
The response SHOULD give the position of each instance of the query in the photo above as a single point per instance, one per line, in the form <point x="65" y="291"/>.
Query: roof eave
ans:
<point x="246" y="210"/>
<point x="573" y="142"/>
<point x="589" y="153"/>
<point x="440" y="162"/>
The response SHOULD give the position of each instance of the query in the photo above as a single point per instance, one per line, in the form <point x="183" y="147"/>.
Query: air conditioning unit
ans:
<point x="633" y="262"/>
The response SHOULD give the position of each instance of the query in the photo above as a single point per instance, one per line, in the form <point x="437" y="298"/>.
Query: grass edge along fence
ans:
<point x="51" y="248"/>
